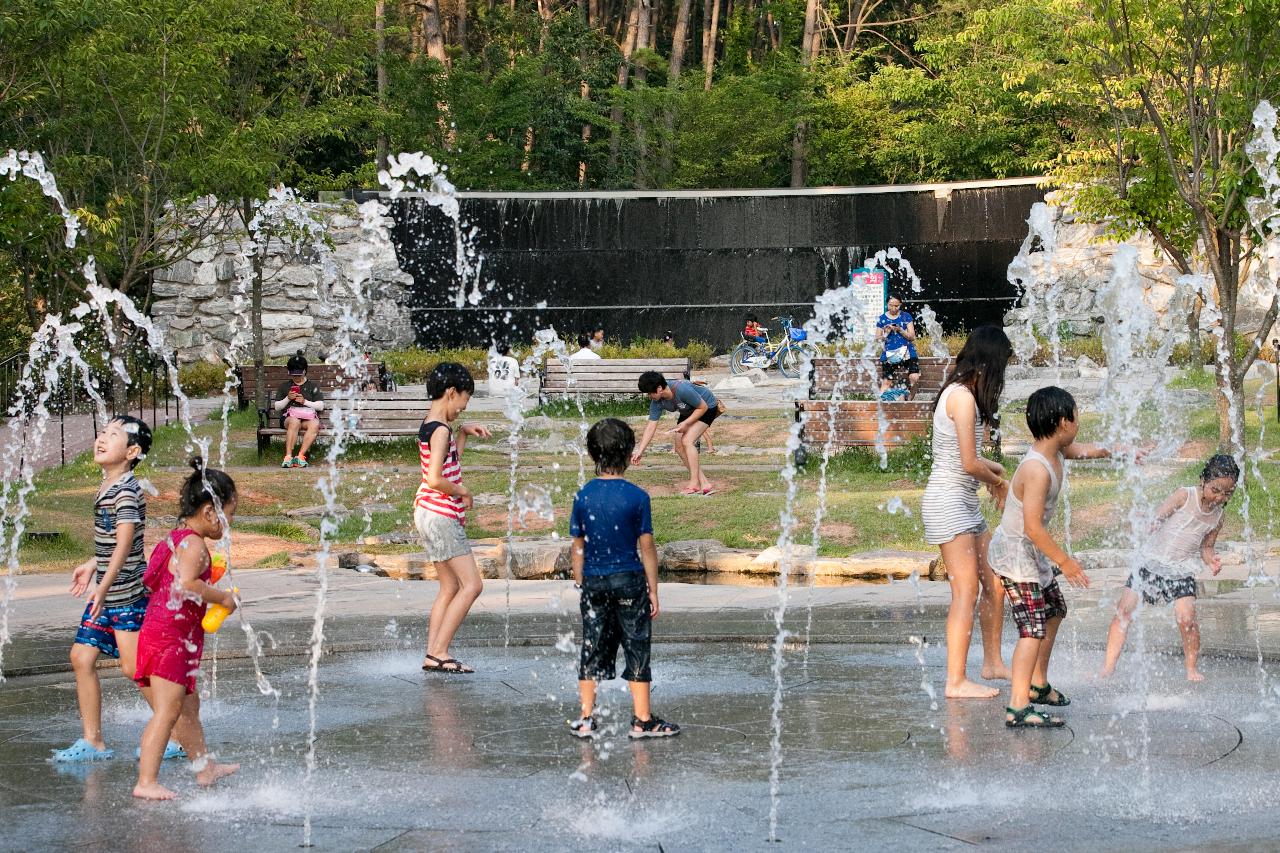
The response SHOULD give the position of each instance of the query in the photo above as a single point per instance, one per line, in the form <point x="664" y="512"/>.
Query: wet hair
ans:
<point x="449" y="374"/>
<point x="610" y="442"/>
<point x="893" y="296"/>
<point x="137" y="434"/>
<point x="980" y="367"/>
<point x="502" y="348"/>
<point x="297" y="363"/>
<point x="1220" y="465"/>
<point x="202" y="487"/>
<point x="650" y="381"/>
<point x="584" y="340"/>
<point x="1048" y="407"/>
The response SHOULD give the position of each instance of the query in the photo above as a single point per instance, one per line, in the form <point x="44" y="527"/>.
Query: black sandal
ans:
<point x="1030" y="718"/>
<point x="1040" y="696"/>
<point x="655" y="726"/>
<point x="448" y="665"/>
<point x="584" y="728"/>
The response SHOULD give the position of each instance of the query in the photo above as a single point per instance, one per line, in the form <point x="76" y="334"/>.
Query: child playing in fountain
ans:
<point x="113" y="616"/>
<point x="615" y="564"/>
<point x="440" y="508"/>
<point x="172" y="638"/>
<point x="1182" y="542"/>
<point x="1024" y="555"/>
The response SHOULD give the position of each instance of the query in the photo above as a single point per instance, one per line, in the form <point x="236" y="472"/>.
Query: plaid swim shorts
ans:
<point x="1033" y="606"/>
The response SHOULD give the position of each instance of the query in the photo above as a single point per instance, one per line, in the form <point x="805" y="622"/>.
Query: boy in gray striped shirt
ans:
<point x="113" y="616"/>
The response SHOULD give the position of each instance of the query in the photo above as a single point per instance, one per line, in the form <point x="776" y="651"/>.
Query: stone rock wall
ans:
<point x="1081" y="265"/>
<point x="302" y="299"/>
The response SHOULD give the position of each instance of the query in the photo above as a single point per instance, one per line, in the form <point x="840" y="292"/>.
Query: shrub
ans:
<point x="411" y="366"/>
<point x="698" y="352"/>
<point x="202" y="379"/>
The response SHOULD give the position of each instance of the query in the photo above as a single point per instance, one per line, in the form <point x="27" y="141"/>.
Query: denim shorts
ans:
<point x="615" y="611"/>
<point x="101" y="632"/>
<point x="443" y="538"/>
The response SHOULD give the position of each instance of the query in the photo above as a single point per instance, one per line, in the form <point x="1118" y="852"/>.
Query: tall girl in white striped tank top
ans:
<point x="1181" y="545"/>
<point x="952" y="518"/>
<point x="439" y="511"/>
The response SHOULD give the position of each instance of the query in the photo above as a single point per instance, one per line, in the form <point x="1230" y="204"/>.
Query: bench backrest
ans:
<point x="606" y="377"/>
<point x="858" y="423"/>
<point x="852" y="377"/>
<point x="329" y="378"/>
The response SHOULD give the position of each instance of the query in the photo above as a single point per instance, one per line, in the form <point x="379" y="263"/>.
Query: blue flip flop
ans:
<point x="82" y="750"/>
<point x="171" y="750"/>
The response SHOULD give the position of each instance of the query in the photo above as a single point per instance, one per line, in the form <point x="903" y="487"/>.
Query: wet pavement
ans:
<point x="410" y="761"/>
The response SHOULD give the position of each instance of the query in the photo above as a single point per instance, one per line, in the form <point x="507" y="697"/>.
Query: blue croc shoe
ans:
<point x="171" y="750"/>
<point x="82" y="750"/>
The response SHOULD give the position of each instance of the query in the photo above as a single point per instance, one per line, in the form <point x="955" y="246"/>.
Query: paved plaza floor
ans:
<point x="872" y="757"/>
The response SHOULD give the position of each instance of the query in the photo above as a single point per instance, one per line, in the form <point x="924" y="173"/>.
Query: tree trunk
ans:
<point x="799" y="163"/>
<point x="678" y="39"/>
<point x="432" y="35"/>
<point x="380" y="28"/>
<point x="461" y="24"/>
<point x="624" y="72"/>
<point x="709" y="45"/>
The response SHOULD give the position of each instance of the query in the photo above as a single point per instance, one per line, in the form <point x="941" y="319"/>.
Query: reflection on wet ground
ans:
<point x="412" y="761"/>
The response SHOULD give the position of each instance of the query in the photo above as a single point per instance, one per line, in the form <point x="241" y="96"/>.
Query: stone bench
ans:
<point x="612" y="377"/>
<point x="379" y="414"/>
<point x="328" y="377"/>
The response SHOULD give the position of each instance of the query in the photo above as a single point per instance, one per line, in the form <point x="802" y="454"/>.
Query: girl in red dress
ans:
<point x="171" y="640"/>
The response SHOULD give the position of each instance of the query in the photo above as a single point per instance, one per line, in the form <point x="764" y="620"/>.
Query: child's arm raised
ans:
<point x="1080" y="450"/>
<point x="1172" y="504"/>
<point x="478" y="430"/>
<point x="192" y="562"/>
<point x="1034" y="480"/>
<point x="649" y="559"/>
<point x="435" y="471"/>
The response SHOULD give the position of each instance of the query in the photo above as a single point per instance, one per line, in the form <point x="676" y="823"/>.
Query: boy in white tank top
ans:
<point x="1028" y="560"/>
<point x="1181" y="544"/>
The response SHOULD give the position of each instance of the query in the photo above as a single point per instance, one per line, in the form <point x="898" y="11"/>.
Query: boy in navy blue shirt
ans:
<point x="615" y="563"/>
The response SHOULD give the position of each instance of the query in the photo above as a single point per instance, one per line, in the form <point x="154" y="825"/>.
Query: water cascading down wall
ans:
<point x="694" y="262"/>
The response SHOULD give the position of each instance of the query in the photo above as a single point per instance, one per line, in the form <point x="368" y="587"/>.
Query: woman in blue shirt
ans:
<point x="897" y="329"/>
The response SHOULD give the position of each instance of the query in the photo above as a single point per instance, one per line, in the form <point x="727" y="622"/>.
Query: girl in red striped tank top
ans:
<point x="439" y="511"/>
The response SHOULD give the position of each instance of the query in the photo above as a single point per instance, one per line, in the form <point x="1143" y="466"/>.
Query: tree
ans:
<point x="1160" y="95"/>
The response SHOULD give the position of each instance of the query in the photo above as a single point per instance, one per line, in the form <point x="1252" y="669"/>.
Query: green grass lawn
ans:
<point x="378" y="481"/>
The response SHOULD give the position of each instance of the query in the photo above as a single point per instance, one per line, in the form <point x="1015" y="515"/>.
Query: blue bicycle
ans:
<point x="788" y="356"/>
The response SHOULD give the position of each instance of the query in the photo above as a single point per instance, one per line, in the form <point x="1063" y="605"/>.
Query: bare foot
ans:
<point x="970" y="690"/>
<point x="1106" y="672"/>
<point x="153" y="791"/>
<point x="996" y="672"/>
<point x="214" y="771"/>
<point x="1194" y="675"/>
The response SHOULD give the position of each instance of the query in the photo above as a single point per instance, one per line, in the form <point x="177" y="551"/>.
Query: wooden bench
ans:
<point x="842" y="423"/>
<point x="379" y="414"/>
<point x="328" y="377"/>
<point x="852" y="377"/>
<point x="612" y="377"/>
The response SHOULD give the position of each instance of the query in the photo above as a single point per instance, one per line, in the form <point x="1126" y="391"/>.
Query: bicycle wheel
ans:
<point x="791" y="360"/>
<point x="738" y="358"/>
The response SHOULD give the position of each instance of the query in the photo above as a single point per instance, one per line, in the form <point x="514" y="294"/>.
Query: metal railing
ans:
<point x="147" y="391"/>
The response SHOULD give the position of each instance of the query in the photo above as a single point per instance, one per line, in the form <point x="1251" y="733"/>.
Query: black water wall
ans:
<point x="639" y="266"/>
